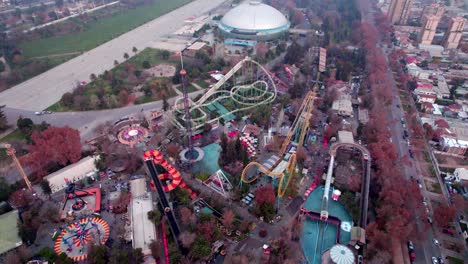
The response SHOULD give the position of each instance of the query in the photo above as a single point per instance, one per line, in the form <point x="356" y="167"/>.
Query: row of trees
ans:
<point x="397" y="198"/>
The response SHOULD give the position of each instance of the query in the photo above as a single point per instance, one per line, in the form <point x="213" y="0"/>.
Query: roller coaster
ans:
<point x="247" y="85"/>
<point x="283" y="168"/>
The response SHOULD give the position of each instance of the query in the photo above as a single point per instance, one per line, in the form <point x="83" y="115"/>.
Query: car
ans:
<point x="429" y="220"/>
<point x="435" y="241"/>
<point x="434" y="260"/>
<point x="402" y="120"/>
<point x="410" y="245"/>
<point x="38" y="113"/>
<point x="411" y="153"/>
<point x="427" y="210"/>
<point x="411" y="252"/>
<point x="424" y="203"/>
<point x="441" y="260"/>
<point x="366" y="156"/>
<point x="419" y="183"/>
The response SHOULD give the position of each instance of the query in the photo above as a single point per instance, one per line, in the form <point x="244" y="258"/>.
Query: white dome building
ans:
<point x="254" y="20"/>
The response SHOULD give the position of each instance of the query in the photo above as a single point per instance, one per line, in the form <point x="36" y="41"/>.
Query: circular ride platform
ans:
<point x="74" y="239"/>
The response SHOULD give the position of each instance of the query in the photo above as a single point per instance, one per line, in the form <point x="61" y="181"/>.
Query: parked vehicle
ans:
<point x="434" y="260"/>
<point x="411" y="252"/>
<point x="449" y="231"/>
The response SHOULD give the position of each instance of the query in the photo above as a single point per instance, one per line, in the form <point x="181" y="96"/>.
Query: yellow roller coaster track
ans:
<point x="304" y="113"/>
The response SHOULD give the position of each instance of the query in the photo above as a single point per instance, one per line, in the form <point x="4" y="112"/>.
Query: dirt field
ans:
<point x="162" y="70"/>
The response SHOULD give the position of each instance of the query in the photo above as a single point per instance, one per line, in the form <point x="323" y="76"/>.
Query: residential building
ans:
<point x="454" y="33"/>
<point x="428" y="29"/>
<point x="398" y="11"/>
<point x="433" y="10"/>
<point x="453" y="145"/>
<point x="415" y="71"/>
<point x="442" y="90"/>
<point x="461" y="174"/>
<point x="425" y="98"/>
<point x="343" y="106"/>
<point x="424" y="91"/>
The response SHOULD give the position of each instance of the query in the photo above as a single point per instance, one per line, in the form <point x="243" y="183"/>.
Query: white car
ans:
<point x="436" y="242"/>
<point x="38" y="113"/>
<point x="434" y="260"/>
<point x="366" y="157"/>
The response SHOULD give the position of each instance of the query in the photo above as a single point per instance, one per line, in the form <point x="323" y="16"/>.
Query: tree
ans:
<point x="116" y="62"/>
<point x="155" y="216"/>
<point x="20" y="198"/>
<point x="187" y="238"/>
<point x="126" y="56"/>
<point x="55" y="145"/>
<point x="134" y="49"/>
<point x="228" y="218"/>
<point x="67" y="99"/>
<point x="444" y="215"/>
<point x="3" y="119"/>
<point x="187" y="217"/>
<point x="155" y="247"/>
<point x="45" y="186"/>
<point x="265" y="195"/>
<point x="165" y="103"/>
<point x="138" y="256"/>
<point x="206" y="230"/>
<point x="172" y="150"/>
<point x="261" y="50"/>
<point x="97" y="254"/>
<point x="164" y="54"/>
<point x="5" y="190"/>
<point x="25" y="125"/>
<point x="201" y="248"/>
<point x="123" y="98"/>
<point x="92" y="76"/>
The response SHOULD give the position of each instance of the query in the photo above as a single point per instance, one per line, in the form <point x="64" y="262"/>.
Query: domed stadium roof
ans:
<point x="254" y="16"/>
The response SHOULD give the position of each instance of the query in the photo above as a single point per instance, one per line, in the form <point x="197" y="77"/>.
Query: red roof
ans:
<point x="424" y="85"/>
<point x="430" y="96"/>
<point x="410" y="59"/>
<point x="441" y="123"/>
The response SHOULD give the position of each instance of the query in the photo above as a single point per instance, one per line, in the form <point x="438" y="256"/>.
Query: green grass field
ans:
<point x="16" y="135"/>
<point x="100" y="31"/>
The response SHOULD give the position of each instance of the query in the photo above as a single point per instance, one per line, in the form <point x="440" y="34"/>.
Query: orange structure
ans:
<point x="172" y="173"/>
<point x="12" y="153"/>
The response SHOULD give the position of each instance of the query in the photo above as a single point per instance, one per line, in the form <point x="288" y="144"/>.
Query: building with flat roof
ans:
<point x="9" y="238"/>
<point x="74" y="172"/>
<point x="453" y="145"/>
<point x="345" y="136"/>
<point x="343" y="106"/>
<point x="143" y="229"/>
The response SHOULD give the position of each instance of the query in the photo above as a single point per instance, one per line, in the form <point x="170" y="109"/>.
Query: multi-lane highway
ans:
<point x="47" y="88"/>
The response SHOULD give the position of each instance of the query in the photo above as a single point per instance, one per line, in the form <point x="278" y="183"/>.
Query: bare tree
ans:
<point x="187" y="239"/>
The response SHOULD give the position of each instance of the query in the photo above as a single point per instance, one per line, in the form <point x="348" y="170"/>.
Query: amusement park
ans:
<point x="213" y="154"/>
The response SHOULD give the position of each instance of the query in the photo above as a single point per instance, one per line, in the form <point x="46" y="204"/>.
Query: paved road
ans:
<point x="86" y="122"/>
<point x="46" y="89"/>
<point x="424" y="249"/>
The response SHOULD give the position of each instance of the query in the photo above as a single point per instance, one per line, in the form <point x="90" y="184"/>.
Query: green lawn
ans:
<point x="436" y="188"/>
<point x="16" y="135"/>
<point x="453" y="260"/>
<point x="103" y="30"/>
<point x="202" y="84"/>
<point x="190" y="89"/>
